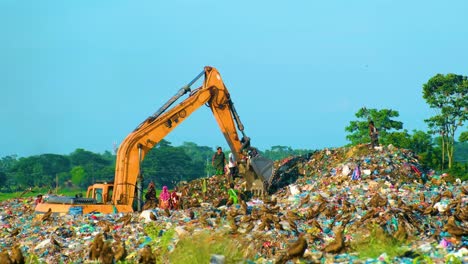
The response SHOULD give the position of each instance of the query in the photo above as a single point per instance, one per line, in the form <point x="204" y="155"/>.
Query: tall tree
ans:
<point x="359" y="129"/>
<point x="448" y="95"/>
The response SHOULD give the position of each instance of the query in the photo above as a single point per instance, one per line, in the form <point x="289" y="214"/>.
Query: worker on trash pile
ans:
<point x="374" y="134"/>
<point x="232" y="164"/>
<point x="38" y="199"/>
<point x="218" y="161"/>
<point x="184" y="200"/>
<point x="175" y="200"/>
<point x="151" y="200"/>
<point x="233" y="198"/>
<point x="164" y="198"/>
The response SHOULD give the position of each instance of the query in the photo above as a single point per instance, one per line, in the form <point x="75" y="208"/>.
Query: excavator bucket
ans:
<point x="263" y="167"/>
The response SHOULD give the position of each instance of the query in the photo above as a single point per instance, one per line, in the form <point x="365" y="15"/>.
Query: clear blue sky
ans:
<point x="84" y="74"/>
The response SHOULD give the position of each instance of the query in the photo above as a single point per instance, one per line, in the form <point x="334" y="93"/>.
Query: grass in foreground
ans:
<point x="376" y="243"/>
<point x="199" y="248"/>
<point x="36" y="191"/>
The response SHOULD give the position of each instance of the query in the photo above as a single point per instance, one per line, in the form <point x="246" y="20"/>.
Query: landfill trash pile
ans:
<point x="325" y="207"/>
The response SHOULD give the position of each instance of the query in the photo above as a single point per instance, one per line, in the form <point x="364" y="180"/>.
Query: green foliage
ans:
<point x="421" y="142"/>
<point x="199" y="247"/>
<point x="34" y="259"/>
<point x="197" y="153"/>
<point x="96" y="166"/>
<point x="167" y="165"/>
<point x="459" y="170"/>
<point x="452" y="259"/>
<point x="77" y="175"/>
<point x="281" y="152"/>
<point x="427" y="151"/>
<point x="152" y="230"/>
<point x="6" y="165"/>
<point x="461" y="152"/>
<point x="3" y="178"/>
<point x="359" y="130"/>
<point x="192" y="249"/>
<point x="43" y="170"/>
<point x="35" y="191"/>
<point x="446" y="91"/>
<point x="448" y="95"/>
<point x="8" y="162"/>
<point x="376" y="242"/>
<point x="161" y="239"/>
<point x="200" y="155"/>
<point x="463" y="137"/>
<point x="39" y="170"/>
<point x="8" y="196"/>
<point x="422" y="259"/>
<point x="400" y="139"/>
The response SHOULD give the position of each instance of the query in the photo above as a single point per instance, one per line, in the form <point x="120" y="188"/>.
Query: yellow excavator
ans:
<point x="120" y="195"/>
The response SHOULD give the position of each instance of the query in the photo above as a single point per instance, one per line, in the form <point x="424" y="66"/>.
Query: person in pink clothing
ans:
<point x="164" y="198"/>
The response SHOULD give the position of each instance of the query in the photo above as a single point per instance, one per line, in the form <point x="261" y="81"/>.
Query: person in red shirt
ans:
<point x="38" y="199"/>
<point x="175" y="200"/>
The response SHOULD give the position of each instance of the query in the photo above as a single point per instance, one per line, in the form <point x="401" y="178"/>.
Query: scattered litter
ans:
<point x="334" y="198"/>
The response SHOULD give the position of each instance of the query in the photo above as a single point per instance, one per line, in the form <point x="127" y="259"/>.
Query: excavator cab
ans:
<point x="101" y="192"/>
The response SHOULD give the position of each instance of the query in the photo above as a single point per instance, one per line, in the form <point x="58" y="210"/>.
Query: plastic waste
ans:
<point x="217" y="259"/>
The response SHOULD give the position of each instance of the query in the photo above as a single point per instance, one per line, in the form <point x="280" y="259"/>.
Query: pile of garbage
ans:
<point x="329" y="206"/>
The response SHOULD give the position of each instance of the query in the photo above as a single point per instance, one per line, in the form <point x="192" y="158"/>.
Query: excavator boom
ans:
<point x="213" y="92"/>
<point x="150" y="132"/>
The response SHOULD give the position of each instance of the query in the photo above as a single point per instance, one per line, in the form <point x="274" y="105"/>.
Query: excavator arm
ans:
<point x="136" y="145"/>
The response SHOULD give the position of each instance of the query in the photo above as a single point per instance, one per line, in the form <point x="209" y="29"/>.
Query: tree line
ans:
<point x="447" y="96"/>
<point x="165" y="164"/>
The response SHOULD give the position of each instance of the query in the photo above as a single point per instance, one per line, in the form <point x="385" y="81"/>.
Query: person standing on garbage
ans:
<point x="374" y="134"/>
<point x="233" y="198"/>
<point x="38" y="199"/>
<point x="218" y="161"/>
<point x="150" y="196"/>
<point x="175" y="199"/>
<point x="164" y="198"/>
<point x="232" y="165"/>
